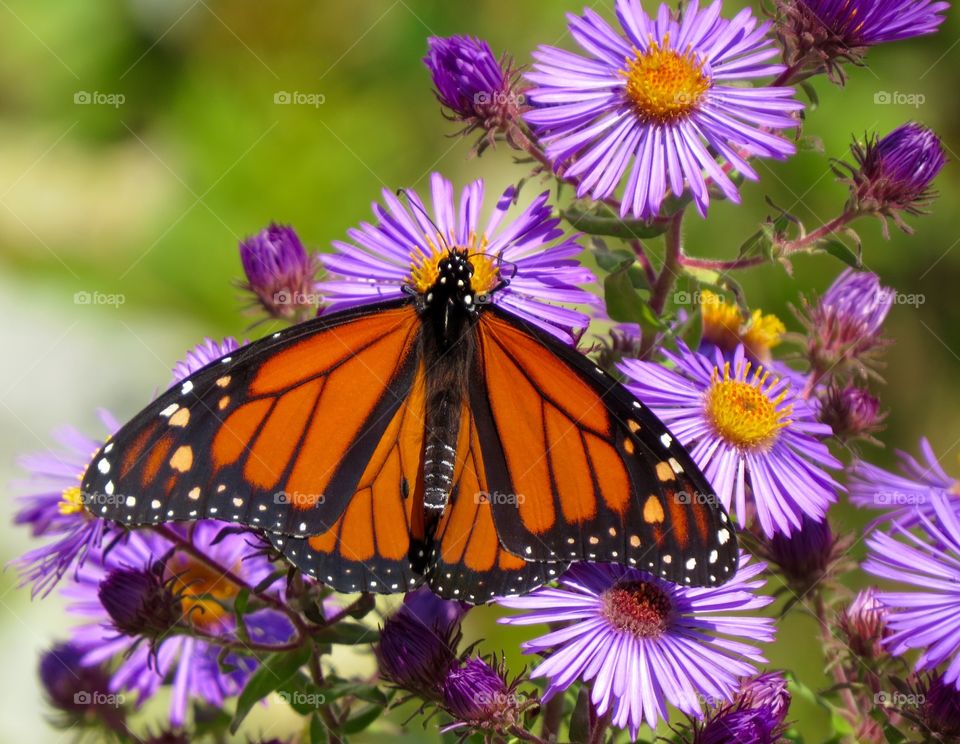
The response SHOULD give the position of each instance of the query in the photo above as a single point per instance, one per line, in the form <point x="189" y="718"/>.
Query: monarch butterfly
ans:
<point x="434" y="437"/>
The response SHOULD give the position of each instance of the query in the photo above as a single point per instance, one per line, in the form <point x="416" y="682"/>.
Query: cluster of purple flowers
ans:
<point x="651" y="115"/>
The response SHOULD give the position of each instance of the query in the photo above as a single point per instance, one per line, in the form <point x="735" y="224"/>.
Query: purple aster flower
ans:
<point x="940" y="709"/>
<point x="204" y="593"/>
<point x="659" y="95"/>
<point x="644" y="642"/>
<point x="476" y="694"/>
<point x="280" y="273"/>
<point x="903" y="496"/>
<point x="844" y="327"/>
<point x="201" y="355"/>
<point x="79" y="693"/>
<point x="850" y="411"/>
<point x="54" y="507"/>
<point x="864" y="624"/>
<point x="473" y="85"/>
<point x="747" y="430"/>
<point x="895" y="173"/>
<point x="405" y="246"/>
<point x="924" y="619"/>
<point x="818" y="35"/>
<point x="742" y="725"/>
<point x="418" y="643"/>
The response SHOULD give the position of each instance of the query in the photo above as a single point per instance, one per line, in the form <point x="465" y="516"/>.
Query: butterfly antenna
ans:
<point x="442" y="238"/>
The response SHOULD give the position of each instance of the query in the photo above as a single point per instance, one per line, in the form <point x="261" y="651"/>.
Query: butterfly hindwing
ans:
<point x="276" y="435"/>
<point x="468" y="562"/>
<point x="377" y="544"/>
<point x="587" y="472"/>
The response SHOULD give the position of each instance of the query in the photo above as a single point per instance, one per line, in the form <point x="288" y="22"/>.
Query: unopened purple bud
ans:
<point x="850" y="411"/>
<point x="896" y="172"/>
<point x="280" y="272"/>
<point x="477" y="694"/>
<point x="864" y="625"/>
<point x="473" y="85"/>
<point x="139" y="602"/>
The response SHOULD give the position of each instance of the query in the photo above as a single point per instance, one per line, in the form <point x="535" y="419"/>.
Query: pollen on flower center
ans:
<point x="741" y="409"/>
<point x="71" y="501"/>
<point x="663" y="84"/>
<point x="424" y="264"/>
<point x="637" y="607"/>
<point x="203" y="592"/>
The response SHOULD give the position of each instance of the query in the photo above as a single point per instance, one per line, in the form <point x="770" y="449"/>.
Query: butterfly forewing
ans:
<point x="276" y="435"/>
<point x="586" y="472"/>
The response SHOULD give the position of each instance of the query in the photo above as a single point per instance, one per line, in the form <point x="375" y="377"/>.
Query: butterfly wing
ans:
<point x="584" y="470"/>
<point x="278" y="435"/>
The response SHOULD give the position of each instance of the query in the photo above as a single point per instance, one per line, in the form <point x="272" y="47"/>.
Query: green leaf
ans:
<point x="275" y="671"/>
<point x="347" y="634"/>
<point x="611" y="225"/>
<point x="811" y="95"/>
<point x="839" y="249"/>
<point x="357" y="723"/>
<point x="625" y="303"/>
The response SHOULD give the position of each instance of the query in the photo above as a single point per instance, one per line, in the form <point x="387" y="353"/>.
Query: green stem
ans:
<point x="786" y="248"/>
<point x="672" y="265"/>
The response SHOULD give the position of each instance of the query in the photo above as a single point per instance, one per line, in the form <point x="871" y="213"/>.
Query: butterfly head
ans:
<point x="463" y="280"/>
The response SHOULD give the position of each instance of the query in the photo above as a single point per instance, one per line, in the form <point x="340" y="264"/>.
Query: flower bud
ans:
<point x="895" y="173"/>
<point x="474" y="86"/>
<point x="418" y="644"/>
<point x="476" y="694"/>
<point x="280" y="273"/>
<point x="850" y="411"/>
<point x="864" y="626"/>
<point x="139" y="602"/>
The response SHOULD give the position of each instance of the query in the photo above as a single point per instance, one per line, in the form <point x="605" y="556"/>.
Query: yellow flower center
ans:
<point x="202" y="590"/>
<point x="763" y="333"/>
<point x="664" y="84"/>
<point x="741" y="409"/>
<point x="424" y="264"/>
<point x="723" y="325"/>
<point x="71" y="501"/>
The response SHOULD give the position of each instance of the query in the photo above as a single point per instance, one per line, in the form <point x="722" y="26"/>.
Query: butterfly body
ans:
<point x="432" y="439"/>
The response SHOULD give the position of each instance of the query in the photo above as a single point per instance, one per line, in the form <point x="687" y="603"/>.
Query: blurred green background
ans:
<point x="144" y="192"/>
